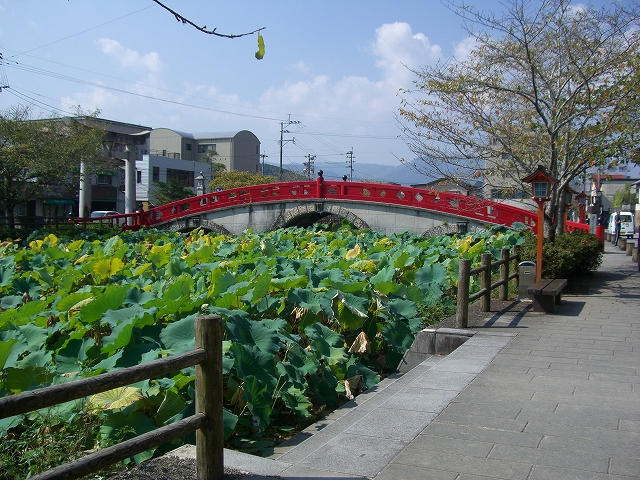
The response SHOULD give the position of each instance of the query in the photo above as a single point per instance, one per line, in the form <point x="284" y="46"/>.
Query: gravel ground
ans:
<point x="169" y="467"/>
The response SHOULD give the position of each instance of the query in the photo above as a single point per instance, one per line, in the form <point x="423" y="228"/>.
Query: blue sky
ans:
<point x="334" y="66"/>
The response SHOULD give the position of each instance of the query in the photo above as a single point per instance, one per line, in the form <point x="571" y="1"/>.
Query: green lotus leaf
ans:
<point x="179" y="337"/>
<point x="295" y="399"/>
<point x="430" y="274"/>
<point x="107" y="268"/>
<point x="160" y="255"/>
<point x="402" y="307"/>
<point x="6" y="275"/>
<point x="249" y="332"/>
<point x="28" y="286"/>
<point x="322" y="387"/>
<point x="119" y="427"/>
<point x="350" y="310"/>
<point x="177" y="267"/>
<point x="290" y="282"/>
<point x="261" y="286"/>
<point x="22" y="379"/>
<point x="305" y="298"/>
<point x="120" y="337"/>
<point x="355" y="367"/>
<point x="110" y="299"/>
<point x="6" y="348"/>
<point x="398" y="335"/>
<point x="251" y="361"/>
<point x="259" y="400"/>
<point x="34" y="336"/>
<point x="171" y="405"/>
<point x="385" y="274"/>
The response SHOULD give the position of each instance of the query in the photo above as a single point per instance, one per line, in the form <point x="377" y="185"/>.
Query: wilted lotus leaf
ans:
<point x="361" y="344"/>
<point x="353" y="253"/>
<point x="353" y="386"/>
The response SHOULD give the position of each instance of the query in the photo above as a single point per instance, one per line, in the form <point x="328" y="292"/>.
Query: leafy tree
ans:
<point x="235" y="179"/>
<point x="217" y="168"/>
<point x="624" y="196"/>
<point x="41" y="157"/>
<point x="171" y="191"/>
<point x="546" y="84"/>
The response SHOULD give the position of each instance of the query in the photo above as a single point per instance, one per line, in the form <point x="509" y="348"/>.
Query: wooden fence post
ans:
<point x="504" y="274"/>
<point x="462" y="310"/>
<point x="210" y="438"/>
<point x="485" y="282"/>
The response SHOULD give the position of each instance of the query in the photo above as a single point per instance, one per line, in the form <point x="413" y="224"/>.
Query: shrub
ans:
<point x="571" y="255"/>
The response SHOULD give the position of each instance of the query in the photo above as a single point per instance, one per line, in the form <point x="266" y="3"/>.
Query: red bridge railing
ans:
<point x="467" y="207"/>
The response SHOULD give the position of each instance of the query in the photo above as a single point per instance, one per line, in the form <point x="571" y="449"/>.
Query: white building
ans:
<point x="152" y="169"/>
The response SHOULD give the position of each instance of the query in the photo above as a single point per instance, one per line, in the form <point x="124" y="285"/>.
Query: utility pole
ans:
<point x="350" y="163"/>
<point x="308" y="166"/>
<point x="263" y="156"/>
<point x="282" y="141"/>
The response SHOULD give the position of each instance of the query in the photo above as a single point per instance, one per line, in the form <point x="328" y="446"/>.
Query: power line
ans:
<point x="81" y="32"/>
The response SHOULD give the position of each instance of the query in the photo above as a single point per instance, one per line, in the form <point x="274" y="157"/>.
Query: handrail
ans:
<point x="475" y="208"/>
<point x="207" y="422"/>
<point x="484" y="294"/>
<point x="573" y="226"/>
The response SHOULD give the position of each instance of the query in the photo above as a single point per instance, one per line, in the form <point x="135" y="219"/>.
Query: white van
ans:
<point x="626" y="224"/>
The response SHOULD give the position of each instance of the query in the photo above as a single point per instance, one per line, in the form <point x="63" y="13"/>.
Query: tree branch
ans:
<point x="203" y="29"/>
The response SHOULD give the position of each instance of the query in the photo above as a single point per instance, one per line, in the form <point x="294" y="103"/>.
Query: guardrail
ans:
<point x="207" y="421"/>
<point x="484" y="294"/>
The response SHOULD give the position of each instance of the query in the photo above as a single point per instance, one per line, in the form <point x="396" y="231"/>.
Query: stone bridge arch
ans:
<point x="307" y="214"/>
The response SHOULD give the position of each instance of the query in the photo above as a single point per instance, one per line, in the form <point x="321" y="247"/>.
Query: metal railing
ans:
<point x="207" y="421"/>
<point x="465" y="273"/>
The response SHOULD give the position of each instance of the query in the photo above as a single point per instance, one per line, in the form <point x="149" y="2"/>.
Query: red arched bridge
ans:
<point x="381" y="207"/>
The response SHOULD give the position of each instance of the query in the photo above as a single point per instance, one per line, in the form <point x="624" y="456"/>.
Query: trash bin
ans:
<point x="527" y="277"/>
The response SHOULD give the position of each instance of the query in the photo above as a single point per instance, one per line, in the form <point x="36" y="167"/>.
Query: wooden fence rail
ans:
<point x="207" y="422"/>
<point x="484" y="294"/>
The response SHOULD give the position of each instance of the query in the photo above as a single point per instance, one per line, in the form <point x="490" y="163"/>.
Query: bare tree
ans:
<point x="546" y="84"/>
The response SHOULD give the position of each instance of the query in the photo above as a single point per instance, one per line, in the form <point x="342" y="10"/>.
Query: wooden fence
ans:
<point x="464" y="275"/>
<point x="207" y="421"/>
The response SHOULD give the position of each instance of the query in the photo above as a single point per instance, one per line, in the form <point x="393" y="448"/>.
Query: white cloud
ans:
<point x="96" y="99"/>
<point x="301" y="67"/>
<point x="129" y="58"/>
<point x="398" y="49"/>
<point x="464" y="48"/>
<point x="361" y="99"/>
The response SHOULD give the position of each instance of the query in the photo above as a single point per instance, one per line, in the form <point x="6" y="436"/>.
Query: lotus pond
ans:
<point x="311" y="316"/>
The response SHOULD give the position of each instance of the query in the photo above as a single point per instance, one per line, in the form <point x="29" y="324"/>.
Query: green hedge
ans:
<point x="571" y="255"/>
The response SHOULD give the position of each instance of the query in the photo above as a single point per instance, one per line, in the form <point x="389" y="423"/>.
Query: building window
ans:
<point x="156" y="174"/>
<point x="183" y="177"/>
<point x="138" y="176"/>
<point x="257" y="149"/>
<point x="187" y="146"/>
<point x="103" y="179"/>
<point x="206" y="147"/>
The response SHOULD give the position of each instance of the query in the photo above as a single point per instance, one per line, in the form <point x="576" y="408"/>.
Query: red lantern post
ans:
<point x="541" y="183"/>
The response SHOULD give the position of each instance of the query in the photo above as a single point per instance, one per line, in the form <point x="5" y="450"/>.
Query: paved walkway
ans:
<point x="531" y="396"/>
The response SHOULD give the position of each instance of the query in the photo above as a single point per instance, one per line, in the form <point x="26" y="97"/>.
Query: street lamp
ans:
<point x="200" y="189"/>
<point x="541" y="183"/>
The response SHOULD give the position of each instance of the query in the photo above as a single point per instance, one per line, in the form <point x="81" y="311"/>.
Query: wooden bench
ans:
<point x="547" y="294"/>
